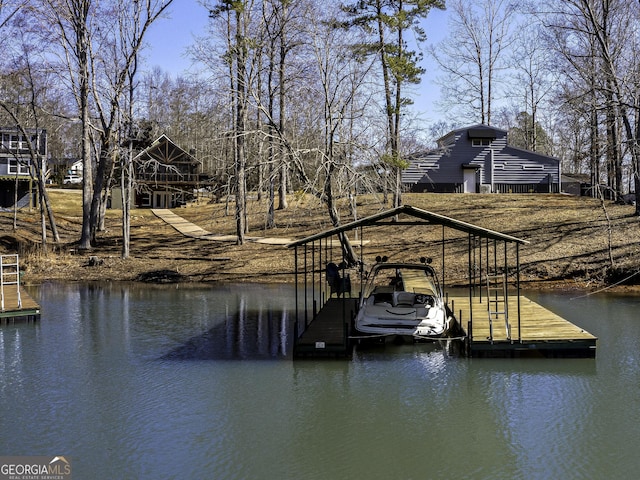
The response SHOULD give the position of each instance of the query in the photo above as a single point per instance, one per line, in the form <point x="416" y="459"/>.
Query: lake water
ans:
<point x="173" y="382"/>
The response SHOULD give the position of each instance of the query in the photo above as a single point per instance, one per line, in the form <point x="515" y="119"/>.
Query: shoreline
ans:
<point x="175" y="278"/>
<point x="572" y="245"/>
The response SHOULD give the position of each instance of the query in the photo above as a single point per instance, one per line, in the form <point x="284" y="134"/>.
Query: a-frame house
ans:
<point x="166" y="175"/>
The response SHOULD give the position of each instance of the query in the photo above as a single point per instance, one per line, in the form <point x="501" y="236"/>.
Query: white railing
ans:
<point x="9" y="277"/>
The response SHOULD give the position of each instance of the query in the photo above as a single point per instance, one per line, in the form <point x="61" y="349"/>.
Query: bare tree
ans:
<point x="238" y="14"/>
<point x="596" y="39"/>
<point x="97" y="43"/>
<point x="531" y="62"/>
<point x="22" y="97"/>
<point x="112" y="71"/>
<point x="342" y="86"/>
<point x="473" y="56"/>
<point x="71" y="23"/>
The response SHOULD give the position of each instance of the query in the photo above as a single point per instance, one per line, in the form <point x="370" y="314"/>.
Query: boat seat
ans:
<point x="383" y="298"/>
<point x="425" y="299"/>
<point x="405" y="299"/>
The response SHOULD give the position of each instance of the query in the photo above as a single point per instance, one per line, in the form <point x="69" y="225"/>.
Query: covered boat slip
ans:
<point x="496" y="319"/>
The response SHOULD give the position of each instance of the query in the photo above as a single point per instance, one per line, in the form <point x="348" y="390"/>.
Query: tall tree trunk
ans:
<point x="82" y="55"/>
<point x="283" y="204"/>
<point x="282" y="192"/>
<point x="99" y="184"/>
<point x="271" y="222"/>
<point x="241" y="123"/>
<point x="594" y="150"/>
<point x="126" y="173"/>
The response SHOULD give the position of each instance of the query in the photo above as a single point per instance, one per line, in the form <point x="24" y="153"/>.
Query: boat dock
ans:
<point x="327" y="335"/>
<point x="535" y="332"/>
<point x="539" y="333"/>
<point x="495" y="319"/>
<point x="16" y="305"/>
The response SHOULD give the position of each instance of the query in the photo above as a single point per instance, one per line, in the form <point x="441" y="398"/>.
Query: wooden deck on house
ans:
<point x="27" y="310"/>
<point x="539" y="333"/>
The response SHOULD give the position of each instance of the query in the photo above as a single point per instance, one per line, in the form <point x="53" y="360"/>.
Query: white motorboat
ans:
<point x="403" y="299"/>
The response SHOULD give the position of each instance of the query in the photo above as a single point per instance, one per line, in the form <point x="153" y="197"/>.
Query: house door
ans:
<point x="162" y="200"/>
<point x="469" y="180"/>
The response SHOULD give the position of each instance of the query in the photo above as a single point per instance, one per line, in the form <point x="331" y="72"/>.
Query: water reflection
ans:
<point x="245" y="334"/>
<point x="192" y="322"/>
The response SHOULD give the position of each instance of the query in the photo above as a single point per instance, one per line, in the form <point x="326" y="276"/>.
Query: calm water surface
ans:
<point x="137" y="382"/>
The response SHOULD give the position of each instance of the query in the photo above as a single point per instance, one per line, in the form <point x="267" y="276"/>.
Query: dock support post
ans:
<point x="518" y="287"/>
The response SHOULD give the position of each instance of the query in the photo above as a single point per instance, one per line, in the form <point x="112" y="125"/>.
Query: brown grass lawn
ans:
<point x="569" y="240"/>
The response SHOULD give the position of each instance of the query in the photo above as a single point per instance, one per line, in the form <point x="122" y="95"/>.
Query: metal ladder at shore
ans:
<point x="9" y="277"/>
<point x="498" y="302"/>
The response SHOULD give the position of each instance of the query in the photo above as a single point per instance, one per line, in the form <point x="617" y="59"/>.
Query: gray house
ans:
<point x="477" y="159"/>
<point x="16" y="179"/>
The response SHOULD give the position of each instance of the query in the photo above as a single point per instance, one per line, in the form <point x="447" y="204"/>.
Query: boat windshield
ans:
<point x="417" y="279"/>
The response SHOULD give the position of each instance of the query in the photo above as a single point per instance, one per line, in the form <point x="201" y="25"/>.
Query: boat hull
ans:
<point x="403" y="300"/>
<point x="412" y="322"/>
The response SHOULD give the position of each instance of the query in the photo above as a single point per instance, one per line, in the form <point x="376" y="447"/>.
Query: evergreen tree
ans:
<point x="387" y="22"/>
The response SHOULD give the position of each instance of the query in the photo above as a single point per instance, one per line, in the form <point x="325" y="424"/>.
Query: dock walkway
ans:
<point x="327" y="335"/>
<point x="192" y="230"/>
<point x="539" y="331"/>
<point x="25" y="310"/>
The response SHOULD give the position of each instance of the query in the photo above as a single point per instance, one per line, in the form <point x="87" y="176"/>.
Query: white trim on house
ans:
<point x="500" y="166"/>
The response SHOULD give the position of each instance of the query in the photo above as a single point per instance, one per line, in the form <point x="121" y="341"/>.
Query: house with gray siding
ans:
<point x="16" y="170"/>
<point x="477" y="159"/>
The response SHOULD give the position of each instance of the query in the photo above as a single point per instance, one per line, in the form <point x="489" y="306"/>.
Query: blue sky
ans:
<point x="169" y="37"/>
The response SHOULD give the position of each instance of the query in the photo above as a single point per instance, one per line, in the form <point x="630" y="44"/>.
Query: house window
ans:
<point x="146" y="200"/>
<point x="21" y="168"/>
<point x="480" y="142"/>
<point x="18" y="143"/>
<point x="533" y="167"/>
<point x="15" y="143"/>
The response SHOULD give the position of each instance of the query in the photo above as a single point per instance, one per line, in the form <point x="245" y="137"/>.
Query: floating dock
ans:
<point x="14" y="311"/>
<point x="539" y="332"/>
<point x="327" y="335"/>
<point x="16" y="305"/>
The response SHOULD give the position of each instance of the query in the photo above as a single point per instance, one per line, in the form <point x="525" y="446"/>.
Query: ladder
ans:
<point x="9" y="276"/>
<point x="498" y="303"/>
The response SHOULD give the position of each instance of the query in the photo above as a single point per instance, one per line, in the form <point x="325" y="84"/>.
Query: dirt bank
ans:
<point x="572" y="245"/>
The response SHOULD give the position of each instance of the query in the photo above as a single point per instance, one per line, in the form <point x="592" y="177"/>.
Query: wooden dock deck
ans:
<point x="327" y="335"/>
<point x="540" y="332"/>
<point x="27" y="310"/>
